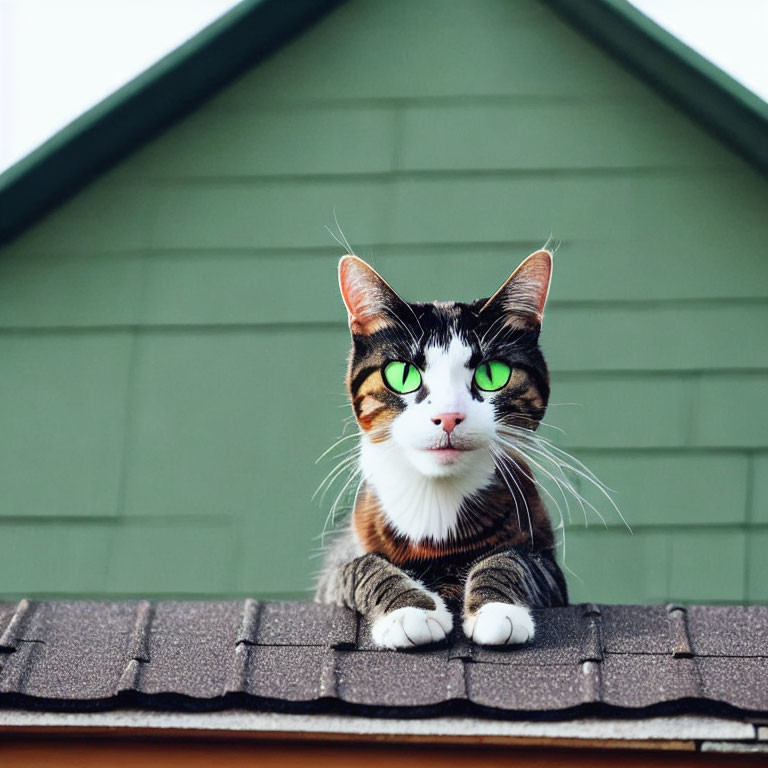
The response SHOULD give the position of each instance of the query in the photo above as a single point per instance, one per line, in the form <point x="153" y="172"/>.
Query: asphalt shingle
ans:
<point x="294" y="656"/>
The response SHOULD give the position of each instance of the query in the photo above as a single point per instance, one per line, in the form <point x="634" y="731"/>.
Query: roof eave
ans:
<point x="158" y="97"/>
<point x="675" y="732"/>
<point x="733" y="113"/>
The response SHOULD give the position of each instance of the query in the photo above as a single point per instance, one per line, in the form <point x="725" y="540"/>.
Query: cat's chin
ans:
<point x="445" y="462"/>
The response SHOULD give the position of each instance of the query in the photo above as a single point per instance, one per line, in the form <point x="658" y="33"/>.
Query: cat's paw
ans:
<point x="409" y="627"/>
<point x="500" y="624"/>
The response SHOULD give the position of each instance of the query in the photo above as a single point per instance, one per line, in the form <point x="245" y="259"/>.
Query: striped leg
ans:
<point x="402" y="611"/>
<point x="501" y="589"/>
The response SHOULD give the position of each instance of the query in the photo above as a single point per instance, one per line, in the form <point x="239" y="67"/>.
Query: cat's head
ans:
<point x="433" y="383"/>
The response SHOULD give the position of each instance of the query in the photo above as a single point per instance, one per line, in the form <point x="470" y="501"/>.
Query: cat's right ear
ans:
<point x="371" y="304"/>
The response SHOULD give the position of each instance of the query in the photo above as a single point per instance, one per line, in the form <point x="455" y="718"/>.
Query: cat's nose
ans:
<point x="448" y="421"/>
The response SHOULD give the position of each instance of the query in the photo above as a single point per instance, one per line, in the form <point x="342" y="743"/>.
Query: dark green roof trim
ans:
<point x="732" y="112"/>
<point x="151" y="102"/>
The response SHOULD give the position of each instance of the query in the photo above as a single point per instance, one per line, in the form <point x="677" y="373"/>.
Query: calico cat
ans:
<point x="447" y="517"/>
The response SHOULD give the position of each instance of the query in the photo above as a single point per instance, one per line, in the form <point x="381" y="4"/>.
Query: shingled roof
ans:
<point x="297" y="657"/>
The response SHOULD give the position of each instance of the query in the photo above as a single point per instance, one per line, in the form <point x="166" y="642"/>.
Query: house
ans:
<point x="166" y="256"/>
<point x="164" y="260"/>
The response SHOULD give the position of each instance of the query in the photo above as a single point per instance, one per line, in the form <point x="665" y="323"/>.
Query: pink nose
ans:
<point x="448" y="421"/>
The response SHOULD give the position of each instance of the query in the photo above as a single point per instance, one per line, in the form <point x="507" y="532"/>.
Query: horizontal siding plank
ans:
<point x="311" y="139"/>
<point x="656" y="567"/>
<point x="285" y="556"/>
<point x="132" y="558"/>
<point x="614" y="209"/>
<point x="705" y="566"/>
<point x="218" y="286"/>
<point x="263" y="213"/>
<point x="456" y="208"/>
<point x="758" y="567"/>
<point x="732" y="411"/>
<point x="63" y="405"/>
<point x="305" y="139"/>
<point x="672" y="337"/>
<point x="668" y="489"/>
<point x="621" y="411"/>
<point x="252" y="411"/>
<point x="47" y="290"/>
<point x="179" y="557"/>
<point x="435" y="48"/>
<point x="53" y="558"/>
<point x="701" y="411"/>
<point x="759" y="489"/>
<point x="605" y="134"/>
<point x="628" y="215"/>
<point x="107" y="215"/>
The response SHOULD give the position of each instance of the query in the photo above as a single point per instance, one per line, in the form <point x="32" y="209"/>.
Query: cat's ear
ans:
<point x="371" y="304"/>
<point x="524" y="294"/>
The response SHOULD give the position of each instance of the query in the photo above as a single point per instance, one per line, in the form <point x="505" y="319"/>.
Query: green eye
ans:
<point x="492" y="375"/>
<point x="402" y="377"/>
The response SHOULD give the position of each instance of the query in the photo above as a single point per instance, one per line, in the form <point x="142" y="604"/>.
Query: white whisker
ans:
<point x="530" y="444"/>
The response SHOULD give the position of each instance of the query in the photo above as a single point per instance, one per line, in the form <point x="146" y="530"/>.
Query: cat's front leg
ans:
<point x="500" y="591"/>
<point x="403" y="613"/>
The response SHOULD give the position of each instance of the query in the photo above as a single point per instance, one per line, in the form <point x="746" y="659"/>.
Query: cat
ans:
<point x="447" y="517"/>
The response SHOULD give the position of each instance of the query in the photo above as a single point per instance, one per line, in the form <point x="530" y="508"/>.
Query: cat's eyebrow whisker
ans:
<point x="490" y="328"/>
<point x="499" y="332"/>
<point x="341" y="232"/>
<point x="330" y="232"/>
<point x="403" y="325"/>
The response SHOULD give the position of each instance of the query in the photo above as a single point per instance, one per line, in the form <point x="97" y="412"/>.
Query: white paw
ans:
<point x="500" y="624"/>
<point x="408" y="627"/>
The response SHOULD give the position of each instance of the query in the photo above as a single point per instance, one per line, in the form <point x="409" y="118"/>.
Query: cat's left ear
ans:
<point x="524" y="294"/>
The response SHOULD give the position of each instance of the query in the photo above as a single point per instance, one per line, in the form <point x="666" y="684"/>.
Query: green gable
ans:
<point x="148" y="444"/>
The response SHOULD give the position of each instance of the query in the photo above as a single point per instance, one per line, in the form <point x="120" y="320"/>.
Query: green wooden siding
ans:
<point x="149" y="444"/>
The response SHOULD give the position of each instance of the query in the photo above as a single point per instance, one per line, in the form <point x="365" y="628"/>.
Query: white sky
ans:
<point x="60" y="57"/>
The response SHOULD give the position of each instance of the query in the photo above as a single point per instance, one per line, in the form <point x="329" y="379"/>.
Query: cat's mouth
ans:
<point x="449" y="452"/>
<point x="451" y="445"/>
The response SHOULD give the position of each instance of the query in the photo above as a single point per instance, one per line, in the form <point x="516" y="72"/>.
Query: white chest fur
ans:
<point x="418" y="506"/>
